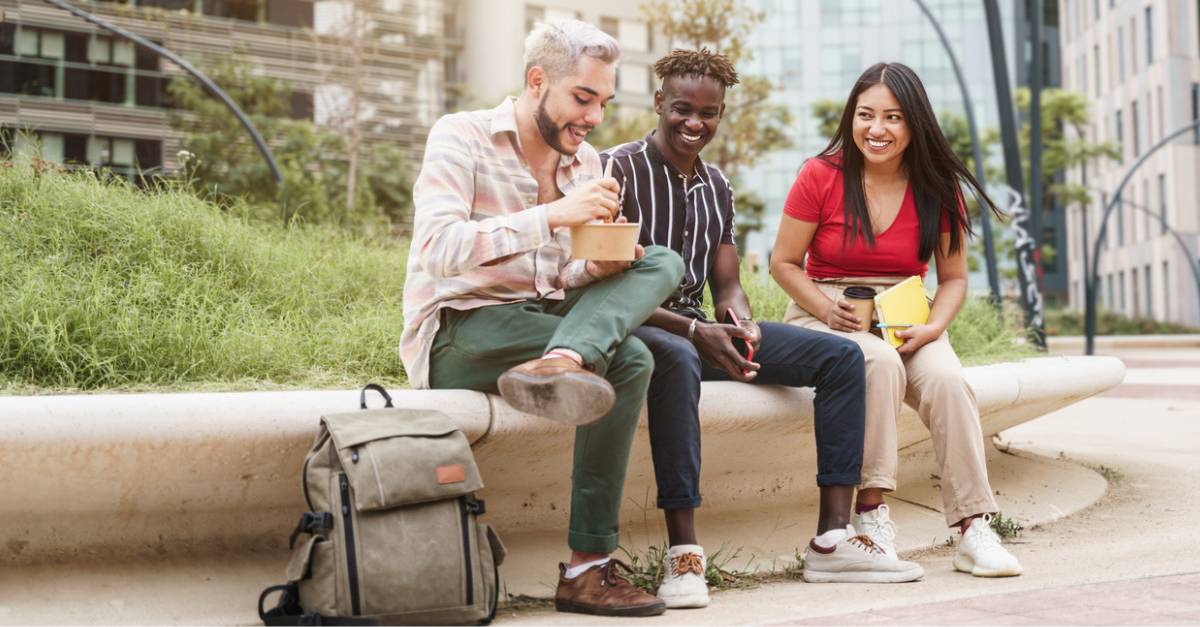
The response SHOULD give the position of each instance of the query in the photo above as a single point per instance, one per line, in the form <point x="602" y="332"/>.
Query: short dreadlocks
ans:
<point x="697" y="63"/>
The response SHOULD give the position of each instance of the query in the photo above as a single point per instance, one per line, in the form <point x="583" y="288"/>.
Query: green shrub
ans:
<point x="1071" y="322"/>
<point x="109" y="287"/>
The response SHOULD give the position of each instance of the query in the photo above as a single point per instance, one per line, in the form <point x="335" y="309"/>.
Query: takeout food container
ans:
<point x="605" y="241"/>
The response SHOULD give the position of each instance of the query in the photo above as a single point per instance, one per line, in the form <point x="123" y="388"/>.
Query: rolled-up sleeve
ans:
<point x="449" y="243"/>
<point x="575" y="274"/>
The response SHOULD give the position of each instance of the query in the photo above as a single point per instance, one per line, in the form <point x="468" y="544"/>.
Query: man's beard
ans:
<point x="551" y="134"/>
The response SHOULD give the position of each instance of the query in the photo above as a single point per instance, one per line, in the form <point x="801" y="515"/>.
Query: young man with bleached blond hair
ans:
<point x="494" y="302"/>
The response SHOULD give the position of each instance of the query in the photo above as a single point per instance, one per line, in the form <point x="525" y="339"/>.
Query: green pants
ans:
<point x="473" y="348"/>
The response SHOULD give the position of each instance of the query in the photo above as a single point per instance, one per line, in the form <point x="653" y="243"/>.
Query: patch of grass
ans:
<point x="1006" y="528"/>
<point x="981" y="335"/>
<point x="109" y="287"/>
<point x="1112" y="475"/>
<point x="520" y="602"/>
<point x="1071" y="322"/>
<point x="649" y="567"/>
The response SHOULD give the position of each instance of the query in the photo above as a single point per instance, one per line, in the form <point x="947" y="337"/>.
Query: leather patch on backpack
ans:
<point x="451" y="474"/>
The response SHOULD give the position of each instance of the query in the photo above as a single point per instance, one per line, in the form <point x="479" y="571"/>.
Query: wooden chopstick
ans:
<point x="608" y="174"/>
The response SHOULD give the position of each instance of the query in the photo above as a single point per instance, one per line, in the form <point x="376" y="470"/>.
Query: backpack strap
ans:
<point x="362" y="397"/>
<point x="495" y="600"/>
<point x="289" y="613"/>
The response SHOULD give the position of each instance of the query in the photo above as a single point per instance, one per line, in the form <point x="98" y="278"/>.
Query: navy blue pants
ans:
<point x="788" y="355"/>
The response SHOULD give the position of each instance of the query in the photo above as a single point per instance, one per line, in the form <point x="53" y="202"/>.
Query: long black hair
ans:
<point x="933" y="169"/>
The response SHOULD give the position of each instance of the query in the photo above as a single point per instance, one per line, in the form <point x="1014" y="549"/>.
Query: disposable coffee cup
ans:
<point x="863" y="298"/>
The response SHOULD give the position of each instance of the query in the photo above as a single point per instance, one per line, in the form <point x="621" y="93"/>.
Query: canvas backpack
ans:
<point x="392" y="531"/>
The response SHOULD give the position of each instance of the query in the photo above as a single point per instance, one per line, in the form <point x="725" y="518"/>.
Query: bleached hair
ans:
<point x="556" y="47"/>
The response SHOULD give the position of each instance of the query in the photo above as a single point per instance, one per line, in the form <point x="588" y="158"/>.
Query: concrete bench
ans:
<point x="127" y="477"/>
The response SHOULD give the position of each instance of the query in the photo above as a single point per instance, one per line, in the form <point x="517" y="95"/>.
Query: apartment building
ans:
<point x="96" y="99"/>
<point x="1138" y="64"/>
<point x="486" y="43"/>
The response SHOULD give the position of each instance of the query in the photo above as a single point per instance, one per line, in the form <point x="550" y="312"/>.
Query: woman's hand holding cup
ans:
<point x="840" y="317"/>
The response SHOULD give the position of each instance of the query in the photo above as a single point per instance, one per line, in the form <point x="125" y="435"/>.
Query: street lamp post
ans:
<point x="1093" y="277"/>
<point x="1036" y="193"/>
<point x="1027" y="270"/>
<point x="989" y="246"/>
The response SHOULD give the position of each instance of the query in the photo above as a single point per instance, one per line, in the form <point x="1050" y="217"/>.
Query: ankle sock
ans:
<point x="576" y="571"/>
<point x="557" y="353"/>
<point x="862" y="509"/>
<point x="830" y="538"/>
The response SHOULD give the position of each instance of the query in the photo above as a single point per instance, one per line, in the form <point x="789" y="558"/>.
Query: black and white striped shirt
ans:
<point x="693" y="221"/>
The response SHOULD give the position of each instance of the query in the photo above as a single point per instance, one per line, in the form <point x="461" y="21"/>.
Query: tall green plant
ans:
<point x="106" y="286"/>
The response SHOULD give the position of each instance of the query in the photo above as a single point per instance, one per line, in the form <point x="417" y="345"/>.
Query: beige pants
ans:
<point x="929" y="380"/>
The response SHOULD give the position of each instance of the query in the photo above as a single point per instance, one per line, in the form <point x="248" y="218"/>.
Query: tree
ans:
<point x="343" y="48"/>
<point x="753" y="125"/>
<point x="1062" y="111"/>
<point x="828" y="114"/>
<point x="625" y="126"/>
<point x="221" y="162"/>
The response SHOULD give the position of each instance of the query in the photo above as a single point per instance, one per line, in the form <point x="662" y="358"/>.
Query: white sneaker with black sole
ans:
<point x="980" y="553"/>
<point x="878" y="526"/>
<point x="856" y="559"/>
<point x="683" y="577"/>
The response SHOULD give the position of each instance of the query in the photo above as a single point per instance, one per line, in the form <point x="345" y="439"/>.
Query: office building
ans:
<point x="96" y="99"/>
<point x="486" y="44"/>
<point x="1138" y="64"/>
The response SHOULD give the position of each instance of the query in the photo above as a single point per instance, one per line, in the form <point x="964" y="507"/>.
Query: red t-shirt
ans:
<point x="816" y="196"/>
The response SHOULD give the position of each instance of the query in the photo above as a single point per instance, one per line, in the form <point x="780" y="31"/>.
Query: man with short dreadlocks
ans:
<point x="687" y="205"/>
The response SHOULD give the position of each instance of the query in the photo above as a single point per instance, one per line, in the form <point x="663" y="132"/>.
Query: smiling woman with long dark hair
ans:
<point x="871" y="210"/>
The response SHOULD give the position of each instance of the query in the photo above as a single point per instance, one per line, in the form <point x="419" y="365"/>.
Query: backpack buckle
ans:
<point x="312" y="520"/>
<point x="308" y="522"/>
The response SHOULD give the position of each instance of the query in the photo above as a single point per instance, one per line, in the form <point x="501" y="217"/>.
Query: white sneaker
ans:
<point x="980" y="553"/>
<point x="878" y="526"/>
<point x="856" y="559"/>
<point x="683" y="577"/>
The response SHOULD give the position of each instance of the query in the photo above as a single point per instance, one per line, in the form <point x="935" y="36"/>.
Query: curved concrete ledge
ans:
<point x="155" y="475"/>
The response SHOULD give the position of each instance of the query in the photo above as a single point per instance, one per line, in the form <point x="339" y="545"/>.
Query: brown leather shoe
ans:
<point x="603" y="591"/>
<point x="558" y="389"/>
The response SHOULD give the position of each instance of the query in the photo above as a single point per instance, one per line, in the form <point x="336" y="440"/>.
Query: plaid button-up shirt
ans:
<point x="480" y="238"/>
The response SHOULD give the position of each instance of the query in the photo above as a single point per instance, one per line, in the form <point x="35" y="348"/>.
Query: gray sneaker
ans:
<point x="856" y="559"/>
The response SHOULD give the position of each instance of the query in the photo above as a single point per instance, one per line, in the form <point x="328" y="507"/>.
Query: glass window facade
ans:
<point x="78" y="66"/>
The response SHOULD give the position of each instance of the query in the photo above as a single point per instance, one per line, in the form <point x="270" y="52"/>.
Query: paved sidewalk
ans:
<point x="1132" y="559"/>
<point x="1166" y="600"/>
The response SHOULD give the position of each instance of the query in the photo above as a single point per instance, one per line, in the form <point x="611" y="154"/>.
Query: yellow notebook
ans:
<point x="904" y="303"/>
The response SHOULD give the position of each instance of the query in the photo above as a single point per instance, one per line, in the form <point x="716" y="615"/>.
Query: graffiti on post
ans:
<point x="1027" y="270"/>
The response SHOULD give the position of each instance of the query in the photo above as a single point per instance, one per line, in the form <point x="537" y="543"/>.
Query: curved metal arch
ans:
<point x="1093" y="277"/>
<point x="210" y="86"/>
<point x="1187" y="252"/>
